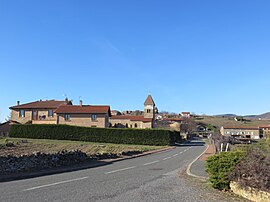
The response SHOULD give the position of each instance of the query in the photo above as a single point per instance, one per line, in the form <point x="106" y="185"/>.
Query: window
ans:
<point x="50" y="113"/>
<point x="93" y="117"/>
<point x="135" y="125"/>
<point x="22" y="113"/>
<point x="148" y="110"/>
<point x="126" y="125"/>
<point x="67" y="117"/>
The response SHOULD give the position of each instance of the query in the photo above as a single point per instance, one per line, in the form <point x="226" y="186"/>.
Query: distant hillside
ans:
<point x="227" y="115"/>
<point x="265" y="116"/>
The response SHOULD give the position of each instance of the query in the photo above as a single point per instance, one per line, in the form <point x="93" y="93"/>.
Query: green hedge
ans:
<point x="219" y="167"/>
<point x="104" y="135"/>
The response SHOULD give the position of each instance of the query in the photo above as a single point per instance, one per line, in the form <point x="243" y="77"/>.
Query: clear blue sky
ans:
<point x="210" y="56"/>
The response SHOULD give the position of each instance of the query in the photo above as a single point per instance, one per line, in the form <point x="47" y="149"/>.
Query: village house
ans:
<point x="4" y="127"/>
<point x="266" y="130"/>
<point x="84" y="115"/>
<point x="242" y="132"/>
<point x="39" y="112"/>
<point x="185" y="115"/>
<point x="64" y="112"/>
<point x="128" y="121"/>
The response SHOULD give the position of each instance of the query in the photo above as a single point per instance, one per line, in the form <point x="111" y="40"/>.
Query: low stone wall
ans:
<point x="250" y="193"/>
<point x="39" y="161"/>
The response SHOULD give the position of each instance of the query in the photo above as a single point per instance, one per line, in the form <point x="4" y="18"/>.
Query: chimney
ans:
<point x="66" y="100"/>
<point x="18" y="102"/>
<point x="81" y="103"/>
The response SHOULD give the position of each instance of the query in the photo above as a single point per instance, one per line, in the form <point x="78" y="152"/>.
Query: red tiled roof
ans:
<point x="85" y="109"/>
<point x="185" y="112"/>
<point x="149" y="100"/>
<point x="242" y="127"/>
<point x="132" y="118"/>
<point x="267" y="126"/>
<point x="47" y="104"/>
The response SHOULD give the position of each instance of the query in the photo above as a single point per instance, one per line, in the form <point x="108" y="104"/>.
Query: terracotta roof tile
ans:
<point x="85" y="109"/>
<point x="242" y="127"/>
<point x="149" y="100"/>
<point x="132" y="118"/>
<point x="47" y="104"/>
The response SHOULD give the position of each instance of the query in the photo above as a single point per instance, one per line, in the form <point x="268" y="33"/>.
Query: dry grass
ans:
<point x="51" y="146"/>
<point x="220" y="121"/>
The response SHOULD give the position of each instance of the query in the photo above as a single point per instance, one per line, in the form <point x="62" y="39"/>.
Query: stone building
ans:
<point x="242" y="132"/>
<point x="128" y="121"/>
<point x="39" y="112"/>
<point x="84" y="115"/>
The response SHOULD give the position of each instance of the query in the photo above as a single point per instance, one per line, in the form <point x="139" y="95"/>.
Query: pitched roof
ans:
<point x="47" y="104"/>
<point x="133" y="118"/>
<point x="265" y="126"/>
<point x="84" y="109"/>
<point x="149" y="100"/>
<point x="242" y="127"/>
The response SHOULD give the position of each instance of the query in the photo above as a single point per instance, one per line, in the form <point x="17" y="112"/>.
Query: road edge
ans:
<point x="188" y="171"/>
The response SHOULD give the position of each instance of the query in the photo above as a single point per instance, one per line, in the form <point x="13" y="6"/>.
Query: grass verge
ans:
<point x="28" y="146"/>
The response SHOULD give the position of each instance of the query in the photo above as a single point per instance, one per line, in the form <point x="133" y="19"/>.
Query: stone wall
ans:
<point x="28" y="117"/>
<point x="37" y="161"/>
<point x="84" y="120"/>
<point x="250" y="193"/>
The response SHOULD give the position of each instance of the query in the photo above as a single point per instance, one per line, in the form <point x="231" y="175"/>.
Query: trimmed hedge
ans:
<point x="102" y="135"/>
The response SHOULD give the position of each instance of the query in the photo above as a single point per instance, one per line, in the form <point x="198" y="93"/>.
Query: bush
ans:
<point x="219" y="167"/>
<point x="104" y="135"/>
<point x="254" y="170"/>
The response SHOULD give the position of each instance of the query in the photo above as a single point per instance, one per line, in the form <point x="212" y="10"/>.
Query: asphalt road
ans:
<point x="148" y="178"/>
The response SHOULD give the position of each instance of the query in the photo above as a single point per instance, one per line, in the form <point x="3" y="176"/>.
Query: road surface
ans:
<point x="149" y="178"/>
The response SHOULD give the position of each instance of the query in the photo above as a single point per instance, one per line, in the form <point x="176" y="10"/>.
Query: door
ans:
<point x="34" y="115"/>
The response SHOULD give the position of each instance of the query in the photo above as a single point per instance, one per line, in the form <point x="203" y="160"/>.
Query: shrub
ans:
<point x="254" y="170"/>
<point x="105" y="135"/>
<point x="219" y="167"/>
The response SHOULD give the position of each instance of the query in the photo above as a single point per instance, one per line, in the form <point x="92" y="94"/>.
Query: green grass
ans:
<point x="51" y="146"/>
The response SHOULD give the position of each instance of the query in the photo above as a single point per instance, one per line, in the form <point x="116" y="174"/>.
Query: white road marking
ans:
<point x="56" y="183"/>
<point x="175" y="155"/>
<point x="146" y="164"/>
<point x="114" y="171"/>
<point x="167" y="158"/>
<point x="181" y="152"/>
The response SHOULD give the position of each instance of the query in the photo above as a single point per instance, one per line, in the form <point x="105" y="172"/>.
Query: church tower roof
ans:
<point x="149" y="101"/>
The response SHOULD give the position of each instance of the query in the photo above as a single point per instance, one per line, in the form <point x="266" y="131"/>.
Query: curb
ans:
<point x="189" y="167"/>
<point x="71" y="168"/>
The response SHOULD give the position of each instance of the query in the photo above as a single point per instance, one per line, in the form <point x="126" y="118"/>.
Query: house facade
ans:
<point x="84" y="115"/>
<point x="39" y="112"/>
<point x="242" y="132"/>
<point x="145" y="121"/>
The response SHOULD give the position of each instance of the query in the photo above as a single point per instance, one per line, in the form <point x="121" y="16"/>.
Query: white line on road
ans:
<point x="181" y="152"/>
<point x="146" y="164"/>
<point x="114" y="171"/>
<point x="56" y="183"/>
<point x="167" y="158"/>
<point x="175" y="155"/>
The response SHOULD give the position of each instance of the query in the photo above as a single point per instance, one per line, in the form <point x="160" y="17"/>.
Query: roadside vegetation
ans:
<point x="248" y="165"/>
<point x="153" y="137"/>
